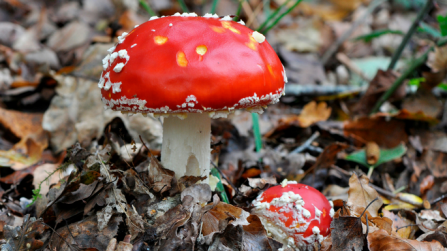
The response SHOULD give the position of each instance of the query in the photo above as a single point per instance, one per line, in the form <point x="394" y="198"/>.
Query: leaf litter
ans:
<point x="77" y="177"/>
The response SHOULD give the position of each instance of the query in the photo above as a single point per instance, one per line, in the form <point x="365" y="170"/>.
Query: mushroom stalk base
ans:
<point x="186" y="145"/>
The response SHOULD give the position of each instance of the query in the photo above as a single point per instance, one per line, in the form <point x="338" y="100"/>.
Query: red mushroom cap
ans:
<point x="184" y="63"/>
<point x="297" y="212"/>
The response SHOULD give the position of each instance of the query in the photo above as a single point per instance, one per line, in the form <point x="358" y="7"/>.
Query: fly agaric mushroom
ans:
<point x="194" y="69"/>
<point x="295" y="214"/>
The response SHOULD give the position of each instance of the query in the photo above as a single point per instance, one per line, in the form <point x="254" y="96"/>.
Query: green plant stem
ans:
<point x="370" y="171"/>
<point x="417" y="63"/>
<point x="183" y="5"/>
<point x="220" y="188"/>
<point x="266" y="6"/>
<point x="214" y="6"/>
<point x="147" y="8"/>
<point x="257" y="131"/>
<point x="428" y="5"/>
<point x="273" y="15"/>
<point x="238" y="12"/>
<point x="281" y="16"/>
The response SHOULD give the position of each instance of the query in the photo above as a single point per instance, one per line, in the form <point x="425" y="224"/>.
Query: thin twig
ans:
<point x="395" y="196"/>
<point x="344" y="59"/>
<point x="438" y="199"/>
<point x="306" y="144"/>
<point x="427" y="7"/>
<point x="334" y="47"/>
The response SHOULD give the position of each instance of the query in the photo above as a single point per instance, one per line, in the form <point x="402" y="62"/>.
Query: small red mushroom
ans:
<point x="295" y="214"/>
<point x="194" y="69"/>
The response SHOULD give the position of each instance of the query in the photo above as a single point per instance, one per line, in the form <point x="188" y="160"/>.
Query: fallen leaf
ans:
<point x="402" y="227"/>
<point x="382" y="241"/>
<point x="435" y="162"/>
<point x="27" y="127"/>
<point x="380" y="83"/>
<point x="311" y="113"/>
<point x="376" y="129"/>
<point x="41" y="173"/>
<point x="217" y="219"/>
<point x="385" y="155"/>
<point x="437" y="61"/>
<point x="255" y="236"/>
<point x="347" y="233"/>
<point x="160" y="178"/>
<point x="361" y="194"/>
<point x="85" y="234"/>
<point x="426" y="184"/>
<point x="329" y="155"/>
<point x="26" y="237"/>
<point x="422" y="106"/>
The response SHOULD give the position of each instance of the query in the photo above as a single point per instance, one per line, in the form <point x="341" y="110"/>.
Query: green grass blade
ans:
<point x="442" y="20"/>
<point x="220" y="188"/>
<point x="269" y="18"/>
<point x="183" y="6"/>
<point x="377" y="33"/>
<point x="266" y="6"/>
<point x="213" y="6"/>
<point x="280" y="17"/>
<point x="147" y="8"/>
<point x="238" y="12"/>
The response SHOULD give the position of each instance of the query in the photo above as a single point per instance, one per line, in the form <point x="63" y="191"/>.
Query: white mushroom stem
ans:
<point x="186" y="145"/>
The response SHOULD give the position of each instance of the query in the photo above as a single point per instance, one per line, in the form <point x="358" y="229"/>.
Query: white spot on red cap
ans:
<point x="258" y="37"/>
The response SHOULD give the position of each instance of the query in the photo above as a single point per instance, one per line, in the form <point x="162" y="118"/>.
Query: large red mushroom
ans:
<point x="295" y="214"/>
<point x="194" y="69"/>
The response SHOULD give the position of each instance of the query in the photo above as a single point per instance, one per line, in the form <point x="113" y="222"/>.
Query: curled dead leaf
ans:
<point x="382" y="241"/>
<point x="361" y="194"/>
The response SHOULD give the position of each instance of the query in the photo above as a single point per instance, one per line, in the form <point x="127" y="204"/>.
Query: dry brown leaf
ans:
<point x="424" y="104"/>
<point x="426" y="184"/>
<point x="437" y="61"/>
<point x="41" y="173"/>
<point x="361" y="194"/>
<point x="311" y="113"/>
<point x="27" y="127"/>
<point x="382" y="241"/>
<point x="255" y="236"/>
<point x="377" y="129"/>
<point x="381" y="83"/>
<point x="382" y="223"/>
<point x="329" y="155"/>
<point x="347" y="233"/>
<point x="399" y="224"/>
<point x="216" y="220"/>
